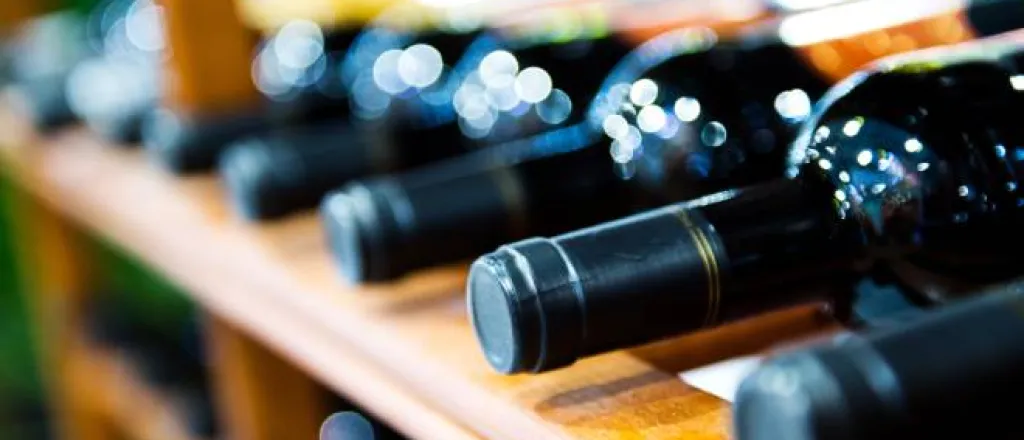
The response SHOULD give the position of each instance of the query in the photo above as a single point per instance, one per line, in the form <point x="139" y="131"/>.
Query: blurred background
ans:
<point x="408" y="138"/>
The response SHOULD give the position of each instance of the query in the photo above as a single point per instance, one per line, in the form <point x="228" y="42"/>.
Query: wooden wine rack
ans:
<point x="281" y="320"/>
<point x="403" y="351"/>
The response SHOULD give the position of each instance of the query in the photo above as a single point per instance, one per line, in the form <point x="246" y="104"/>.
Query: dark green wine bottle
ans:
<point x="911" y="165"/>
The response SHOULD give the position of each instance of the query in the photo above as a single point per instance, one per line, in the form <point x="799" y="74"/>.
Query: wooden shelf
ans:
<point x="404" y="351"/>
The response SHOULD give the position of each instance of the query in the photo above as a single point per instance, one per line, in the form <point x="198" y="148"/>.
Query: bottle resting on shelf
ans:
<point x="910" y="164"/>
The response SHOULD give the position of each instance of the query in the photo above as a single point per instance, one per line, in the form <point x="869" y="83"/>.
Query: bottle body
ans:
<point x="725" y="121"/>
<point x="918" y="153"/>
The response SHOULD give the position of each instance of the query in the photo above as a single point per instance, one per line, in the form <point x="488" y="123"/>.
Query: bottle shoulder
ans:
<point x="912" y="151"/>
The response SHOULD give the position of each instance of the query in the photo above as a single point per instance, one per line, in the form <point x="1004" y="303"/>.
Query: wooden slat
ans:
<point x="260" y="396"/>
<point x="209" y="68"/>
<point x="276" y="282"/>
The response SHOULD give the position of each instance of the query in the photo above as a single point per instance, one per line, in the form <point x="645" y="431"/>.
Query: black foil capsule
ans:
<point x="542" y="303"/>
<point x="272" y="175"/>
<point x="386" y="227"/>
<point x="45" y="50"/>
<point x="185" y="144"/>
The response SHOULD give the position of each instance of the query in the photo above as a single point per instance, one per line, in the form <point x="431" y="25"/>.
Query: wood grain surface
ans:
<point x="405" y="350"/>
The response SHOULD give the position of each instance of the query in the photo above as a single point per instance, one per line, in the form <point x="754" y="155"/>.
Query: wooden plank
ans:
<point x="209" y="67"/>
<point x="259" y="395"/>
<point x="276" y="282"/>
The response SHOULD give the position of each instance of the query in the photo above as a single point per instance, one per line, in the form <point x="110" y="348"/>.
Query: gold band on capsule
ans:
<point x="707" y="256"/>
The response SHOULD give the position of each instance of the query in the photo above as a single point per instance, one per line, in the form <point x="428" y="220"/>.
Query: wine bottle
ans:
<point x="295" y="70"/>
<point x="938" y="376"/>
<point x="910" y="164"/>
<point x="686" y="114"/>
<point x="406" y="121"/>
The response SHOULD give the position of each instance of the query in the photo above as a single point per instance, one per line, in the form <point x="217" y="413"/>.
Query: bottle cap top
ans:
<point x="288" y="170"/>
<point x="495" y="311"/>
<point x="247" y="170"/>
<point x="185" y="145"/>
<point x="524" y="307"/>
<point x="360" y="224"/>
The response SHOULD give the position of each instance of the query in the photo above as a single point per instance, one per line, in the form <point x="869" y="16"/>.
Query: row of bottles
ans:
<point x="686" y="113"/>
<point x="622" y="180"/>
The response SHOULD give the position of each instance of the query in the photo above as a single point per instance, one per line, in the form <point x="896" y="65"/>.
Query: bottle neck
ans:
<point x="777" y="239"/>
